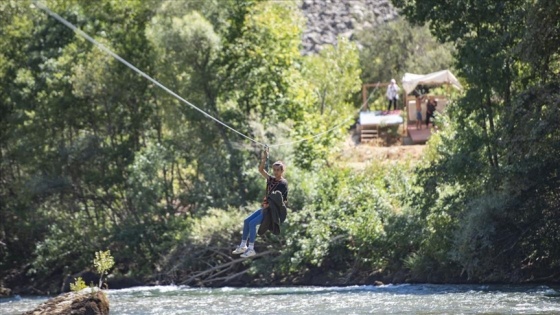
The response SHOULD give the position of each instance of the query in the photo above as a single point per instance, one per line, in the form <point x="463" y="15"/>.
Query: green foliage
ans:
<point x="74" y="127"/>
<point x="507" y="220"/>
<point x="540" y="45"/>
<point x="93" y="155"/>
<point x="261" y="64"/>
<point x="58" y="248"/>
<point x="397" y="47"/>
<point x="215" y="224"/>
<point x="79" y="285"/>
<point x="333" y="76"/>
<point x="204" y="241"/>
<point x="490" y="178"/>
<point x="349" y="222"/>
<point x="103" y="262"/>
<point x="186" y="71"/>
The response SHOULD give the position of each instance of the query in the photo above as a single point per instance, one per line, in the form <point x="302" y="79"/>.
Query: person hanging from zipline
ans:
<point x="273" y="184"/>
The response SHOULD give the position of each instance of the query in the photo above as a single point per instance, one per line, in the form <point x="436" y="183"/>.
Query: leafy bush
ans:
<point x="78" y="285"/>
<point x="349" y="221"/>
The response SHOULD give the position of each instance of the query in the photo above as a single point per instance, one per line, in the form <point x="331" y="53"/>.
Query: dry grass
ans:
<point x="358" y="155"/>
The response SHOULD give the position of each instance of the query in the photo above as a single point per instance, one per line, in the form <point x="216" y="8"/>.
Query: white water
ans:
<point x="388" y="299"/>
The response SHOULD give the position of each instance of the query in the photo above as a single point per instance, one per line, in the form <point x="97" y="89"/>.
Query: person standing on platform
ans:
<point x="430" y="110"/>
<point x="392" y="94"/>
<point x="419" y="100"/>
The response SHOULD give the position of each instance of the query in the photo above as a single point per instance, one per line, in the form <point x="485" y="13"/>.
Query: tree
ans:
<point x="260" y="65"/>
<point x="188" y="50"/>
<point x="392" y="49"/>
<point x="541" y="42"/>
<point x="81" y="117"/>
<point x="333" y="77"/>
<point x="17" y="231"/>
<point x="486" y="164"/>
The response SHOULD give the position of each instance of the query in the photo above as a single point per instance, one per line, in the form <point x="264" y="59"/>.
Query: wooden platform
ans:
<point x="373" y="124"/>
<point x="418" y="136"/>
<point x="381" y="118"/>
<point x="368" y="133"/>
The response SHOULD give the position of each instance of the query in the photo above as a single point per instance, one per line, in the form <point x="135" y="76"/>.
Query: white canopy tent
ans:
<point x="411" y="80"/>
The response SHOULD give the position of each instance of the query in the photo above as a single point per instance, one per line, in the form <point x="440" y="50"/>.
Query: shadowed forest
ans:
<point x="95" y="157"/>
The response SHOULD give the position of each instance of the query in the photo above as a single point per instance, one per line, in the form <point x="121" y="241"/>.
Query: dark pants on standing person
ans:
<point x="394" y="102"/>
<point x="428" y="116"/>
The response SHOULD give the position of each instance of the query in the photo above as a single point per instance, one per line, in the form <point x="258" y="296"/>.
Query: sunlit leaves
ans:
<point x="333" y="77"/>
<point x="262" y="62"/>
<point x="348" y="218"/>
<point x="103" y="262"/>
<point x="390" y="50"/>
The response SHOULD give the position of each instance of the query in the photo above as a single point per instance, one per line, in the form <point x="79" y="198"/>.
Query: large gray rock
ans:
<point x="328" y="19"/>
<point x="84" y="302"/>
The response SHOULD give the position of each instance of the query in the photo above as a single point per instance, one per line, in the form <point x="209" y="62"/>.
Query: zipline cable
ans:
<point x="126" y="63"/>
<point x="140" y="72"/>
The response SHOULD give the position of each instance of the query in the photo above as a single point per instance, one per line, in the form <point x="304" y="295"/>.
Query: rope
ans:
<point x="266" y="148"/>
<point x="126" y="63"/>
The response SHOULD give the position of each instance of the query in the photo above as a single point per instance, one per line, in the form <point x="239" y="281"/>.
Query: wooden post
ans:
<point x="405" y="108"/>
<point x="364" y="96"/>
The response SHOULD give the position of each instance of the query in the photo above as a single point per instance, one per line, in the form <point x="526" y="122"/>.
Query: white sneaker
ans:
<point x="239" y="250"/>
<point x="248" y="253"/>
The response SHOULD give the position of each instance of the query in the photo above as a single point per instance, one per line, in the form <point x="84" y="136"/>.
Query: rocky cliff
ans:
<point x="327" y="19"/>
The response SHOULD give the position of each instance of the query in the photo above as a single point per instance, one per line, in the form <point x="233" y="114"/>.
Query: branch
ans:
<point x="219" y="273"/>
<point x="207" y="271"/>
<point x="228" y="278"/>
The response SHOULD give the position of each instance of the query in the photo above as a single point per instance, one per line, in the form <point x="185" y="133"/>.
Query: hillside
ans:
<point x="327" y="19"/>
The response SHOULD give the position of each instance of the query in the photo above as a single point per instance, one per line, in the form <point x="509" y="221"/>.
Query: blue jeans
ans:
<point x="250" y="225"/>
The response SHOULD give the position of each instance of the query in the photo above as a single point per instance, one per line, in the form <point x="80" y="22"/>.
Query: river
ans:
<point x="387" y="299"/>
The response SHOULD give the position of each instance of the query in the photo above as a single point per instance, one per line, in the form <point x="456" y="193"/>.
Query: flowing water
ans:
<point x="388" y="299"/>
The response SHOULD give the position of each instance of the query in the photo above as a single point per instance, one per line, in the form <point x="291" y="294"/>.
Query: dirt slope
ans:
<point x="358" y="155"/>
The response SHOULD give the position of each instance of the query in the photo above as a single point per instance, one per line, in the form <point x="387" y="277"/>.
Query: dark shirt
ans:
<point x="431" y="107"/>
<point x="272" y="185"/>
<point x="274" y="215"/>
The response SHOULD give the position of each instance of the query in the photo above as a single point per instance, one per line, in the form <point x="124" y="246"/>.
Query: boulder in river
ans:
<point x="87" y="301"/>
